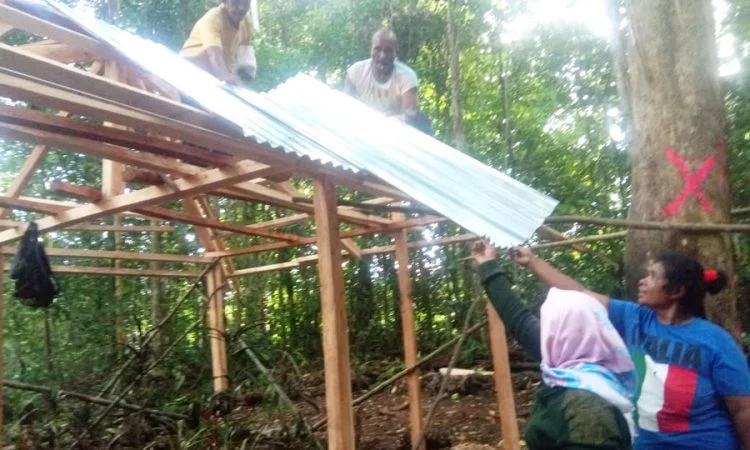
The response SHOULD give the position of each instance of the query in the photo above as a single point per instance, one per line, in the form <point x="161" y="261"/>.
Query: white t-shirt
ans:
<point x="385" y="97"/>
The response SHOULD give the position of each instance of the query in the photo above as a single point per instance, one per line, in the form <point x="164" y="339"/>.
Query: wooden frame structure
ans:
<point x="140" y="131"/>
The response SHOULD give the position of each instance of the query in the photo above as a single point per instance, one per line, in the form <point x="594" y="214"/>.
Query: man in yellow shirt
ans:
<point x="221" y="42"/>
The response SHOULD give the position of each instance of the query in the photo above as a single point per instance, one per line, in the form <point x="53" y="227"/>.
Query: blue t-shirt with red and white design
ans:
<point x="683" y="371"/>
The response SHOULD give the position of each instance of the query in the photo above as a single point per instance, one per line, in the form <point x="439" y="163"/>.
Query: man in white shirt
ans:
<point x="385" y="83"/>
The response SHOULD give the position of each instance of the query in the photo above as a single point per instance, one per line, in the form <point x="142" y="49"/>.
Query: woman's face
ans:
<point x="651" y="290"/>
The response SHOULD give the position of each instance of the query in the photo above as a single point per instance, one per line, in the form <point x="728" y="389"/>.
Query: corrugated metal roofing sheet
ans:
<point x="308" y="118"/>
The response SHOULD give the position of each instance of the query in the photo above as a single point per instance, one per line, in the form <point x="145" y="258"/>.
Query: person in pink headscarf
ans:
<point x="589" y="378"/>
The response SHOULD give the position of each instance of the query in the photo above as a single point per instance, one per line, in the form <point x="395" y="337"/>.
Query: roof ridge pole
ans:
<point x="333" y="309"/>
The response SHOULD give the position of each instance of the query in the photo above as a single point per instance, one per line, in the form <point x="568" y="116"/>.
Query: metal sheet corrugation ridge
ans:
<point x="309" y="119"/>
<point x="456" y="185"/>
<point x="204" y="89"/>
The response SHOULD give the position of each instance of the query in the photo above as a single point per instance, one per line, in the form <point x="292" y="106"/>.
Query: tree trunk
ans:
<point x="457" y="119"/>
<point x="678" y="162"/>
<point x="617" y="45"/>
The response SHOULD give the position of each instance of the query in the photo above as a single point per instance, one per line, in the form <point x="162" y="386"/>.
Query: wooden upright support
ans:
<point x="2" y="353"/>
<point x="506" y="405"/>
<point x="216" y="330"/>
<point x="410" y="336"/>
<point x="333" y="309"/>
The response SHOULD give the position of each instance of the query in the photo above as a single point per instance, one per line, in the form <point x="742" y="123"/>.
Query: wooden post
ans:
<point x="410" y="336"/>
<point x="216" y="330"/>
<point x="2" y="352"/>
<point x="333" y="310"/>
<point x="506" y="405"/>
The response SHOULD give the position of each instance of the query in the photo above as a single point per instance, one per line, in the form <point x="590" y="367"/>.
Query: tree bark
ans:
<point x="157" y="295"/>
<point x="457" y="119"/>
<point x="678" y="119"/>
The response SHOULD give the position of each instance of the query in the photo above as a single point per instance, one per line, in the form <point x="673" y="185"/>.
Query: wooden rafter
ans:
<point x="63" y="53"/>
<point x="5" y="29"/>
<point x="192" y="217"/>
<point x="4" y="223"/>
<point x="243" y="191"/>
<point x="53" y="93"/>
<point x="121" y="272"/>
<point x="43" y="28"/>
<point x="121" y="255"/>
<point x="182" y="187"/>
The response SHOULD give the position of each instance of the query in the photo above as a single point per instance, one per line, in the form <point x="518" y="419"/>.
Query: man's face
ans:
<point x="237" y="9"/>
<point x="383" y="53"/>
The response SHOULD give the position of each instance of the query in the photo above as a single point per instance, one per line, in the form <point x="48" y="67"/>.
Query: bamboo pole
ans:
<point x="643" y="225"/>
<point x="409" y="334"/>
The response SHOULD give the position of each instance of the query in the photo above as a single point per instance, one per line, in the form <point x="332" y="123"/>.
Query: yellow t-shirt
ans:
<point x="215" y="30"/>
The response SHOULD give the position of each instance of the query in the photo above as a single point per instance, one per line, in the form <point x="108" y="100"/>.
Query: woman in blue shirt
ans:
<point x="694" y="382"/>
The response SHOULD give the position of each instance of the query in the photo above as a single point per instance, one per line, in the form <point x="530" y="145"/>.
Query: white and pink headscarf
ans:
<point x="581" y="349"/>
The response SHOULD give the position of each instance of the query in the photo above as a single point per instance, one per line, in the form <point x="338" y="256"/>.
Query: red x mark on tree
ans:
<point x="692" y="182"/>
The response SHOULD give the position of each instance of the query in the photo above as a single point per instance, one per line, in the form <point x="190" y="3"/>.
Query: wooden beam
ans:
<point x="120" y="255"/>
<point x="62" y="53"/>
<point x="5" y="29"/>
<point x="209" y="239"/>
<point x="78" y="192"/>
<point x="216" y="332"/>
<point x="43" y="28"/>
<point x="389" y="228"/>
<point x="96" y="227"/>
<point x="503" y="383"/>
<point x="114" y="91"/>
<point x="122" y="272"/>
<point x="19" y="83"/>
<point x="409" y="335"/>
<point x="148" y="211"/>
<point x="335" y="333"/>
<point x="350" y="246"/>
<point x="2" y="351"/>
<point x="30" y="164"/>
<point x="244" y="191"/>
<point x="203" y="182"/>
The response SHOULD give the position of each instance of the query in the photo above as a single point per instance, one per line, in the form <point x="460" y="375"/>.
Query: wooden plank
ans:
<point x="352" y="248"/>
<point x="244" y="191"/>
<point x="333" y="309"/>
<point x="503" y="383"/>
<point x="4" y="223"/>
<point x="207" y="236"/>
<point x="5" y="29"/>
<point x="62" y="53"/>
<point x="76" y="191"/>
<point x="391" y="227"/>
<point x="203" y="182"/>
<point x="152" y="212"/>
<point x="43" y="28"/>
<point x="216" y="332"/>
<point x="414" y="390"/>
<point x="122" y="272"/>
<point x="26" y="88"/>
<point x="30" y="164"/>
<point x="71" y="77"/>
<point x="2" y="351"/>
<point x="120" y="255"/>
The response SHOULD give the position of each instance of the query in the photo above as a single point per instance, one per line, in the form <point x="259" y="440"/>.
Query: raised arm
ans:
<point x="550" y="275"/>
<point x="519" y="321"/>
